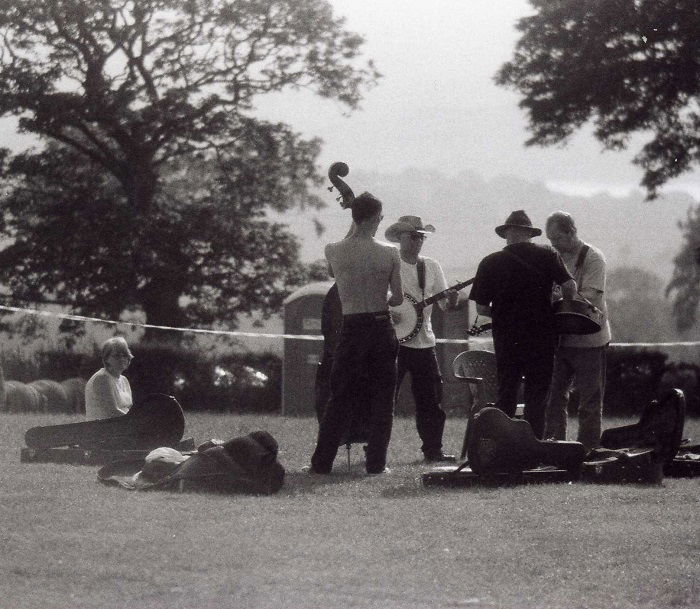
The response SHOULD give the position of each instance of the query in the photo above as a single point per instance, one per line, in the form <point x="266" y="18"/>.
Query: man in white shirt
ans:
<point x="417" y="355"/>
<point x="580" y="360"/>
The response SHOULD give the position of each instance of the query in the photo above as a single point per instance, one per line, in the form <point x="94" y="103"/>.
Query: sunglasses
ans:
<point x="418" y="237"/>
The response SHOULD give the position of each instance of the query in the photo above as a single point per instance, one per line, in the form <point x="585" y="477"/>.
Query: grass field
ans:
<point x="345" y="540"/>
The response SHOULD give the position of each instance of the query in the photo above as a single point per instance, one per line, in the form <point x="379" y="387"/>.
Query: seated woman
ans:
<point x="108" y="393"/>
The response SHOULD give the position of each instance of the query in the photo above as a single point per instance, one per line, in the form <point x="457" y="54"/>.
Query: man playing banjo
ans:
<point x="421" y="278"/>
<point x="366" y="352"/>
<point x="579" y="359"/>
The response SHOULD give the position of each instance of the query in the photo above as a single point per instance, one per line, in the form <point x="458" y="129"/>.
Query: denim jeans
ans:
<point x="585" y="369"/>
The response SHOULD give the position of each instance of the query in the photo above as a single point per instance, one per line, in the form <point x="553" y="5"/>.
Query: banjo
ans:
<point x="410" y="312"/>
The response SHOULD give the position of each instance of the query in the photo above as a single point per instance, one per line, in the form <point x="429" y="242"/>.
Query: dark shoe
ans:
<point x="309" y="469"/>
<point x="439" y="457"/>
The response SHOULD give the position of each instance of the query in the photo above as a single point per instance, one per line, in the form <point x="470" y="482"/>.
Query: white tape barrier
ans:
<point x="132" y="324"/>
<point x="449" y="341"/>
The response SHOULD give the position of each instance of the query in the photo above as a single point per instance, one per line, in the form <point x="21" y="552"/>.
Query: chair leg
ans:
<point x="476" y="407"/>
<point x="478" y="398"/>
<point x="463" y="454"/>
<point x="470" y="416"/>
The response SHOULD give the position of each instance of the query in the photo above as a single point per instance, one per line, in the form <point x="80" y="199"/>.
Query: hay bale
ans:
<point x="75" y="392"/>
<point x="20" y="397"/>
<point x="54" y="393"/>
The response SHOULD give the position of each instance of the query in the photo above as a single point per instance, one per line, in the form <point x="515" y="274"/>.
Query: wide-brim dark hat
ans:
<point x="517" y="219"/>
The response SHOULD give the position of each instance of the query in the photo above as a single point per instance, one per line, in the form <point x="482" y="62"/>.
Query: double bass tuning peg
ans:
<point x="346" y="195"/>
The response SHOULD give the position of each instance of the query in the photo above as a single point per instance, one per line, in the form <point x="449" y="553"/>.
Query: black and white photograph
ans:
<point x="333" y="304"/>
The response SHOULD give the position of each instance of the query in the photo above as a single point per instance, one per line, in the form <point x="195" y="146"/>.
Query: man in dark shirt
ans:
<point x="514" y="288"/>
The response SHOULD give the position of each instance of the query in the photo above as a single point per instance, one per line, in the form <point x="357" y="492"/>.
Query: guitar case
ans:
<point x="155" y="421"/>
<point x="634" y="465"/>
<point x="686" y="463"/>
<point x="642" y="452"/>
<point x="505" y="451"/>
<point x="660" y="427"/>
<point x="498" y="444"/>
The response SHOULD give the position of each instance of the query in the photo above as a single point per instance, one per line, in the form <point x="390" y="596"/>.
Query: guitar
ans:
<point x="409" y="313"/>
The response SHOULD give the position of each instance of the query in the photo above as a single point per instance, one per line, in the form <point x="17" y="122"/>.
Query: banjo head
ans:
<point x="411" y="319"/>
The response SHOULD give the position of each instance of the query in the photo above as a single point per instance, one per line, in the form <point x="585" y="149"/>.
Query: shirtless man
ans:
<point x="364" y="271"/>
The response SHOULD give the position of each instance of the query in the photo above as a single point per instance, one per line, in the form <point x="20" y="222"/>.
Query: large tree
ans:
<point x="626" y="65"/>
<point x="152" y="187"/>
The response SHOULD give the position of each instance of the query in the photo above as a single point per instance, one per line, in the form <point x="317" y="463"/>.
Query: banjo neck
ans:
<point x="440" y="295"/>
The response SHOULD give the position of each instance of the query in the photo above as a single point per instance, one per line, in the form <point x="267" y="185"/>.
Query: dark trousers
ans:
<point x="426" y="385"/>
<point x="531" y="357"/>
<point x="365" y="355"/>
<point x="322" y="385"/>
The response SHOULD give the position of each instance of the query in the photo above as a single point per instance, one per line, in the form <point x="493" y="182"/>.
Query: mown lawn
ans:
<point x="346" y="540"/>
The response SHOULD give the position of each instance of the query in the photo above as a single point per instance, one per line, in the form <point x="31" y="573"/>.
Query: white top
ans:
<point x="434" y="282"/>
<point x="591" y="278"/>
<point x="107" y="397"/>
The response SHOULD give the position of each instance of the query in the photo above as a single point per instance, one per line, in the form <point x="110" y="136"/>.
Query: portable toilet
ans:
<point x="302" y="316"/>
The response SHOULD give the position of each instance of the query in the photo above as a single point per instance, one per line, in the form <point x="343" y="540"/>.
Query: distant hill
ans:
<point x="466" y="208"/>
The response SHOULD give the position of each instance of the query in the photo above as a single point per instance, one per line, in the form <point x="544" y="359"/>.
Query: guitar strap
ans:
<point x="421" y="275"/>
<point x="581" y="256"/>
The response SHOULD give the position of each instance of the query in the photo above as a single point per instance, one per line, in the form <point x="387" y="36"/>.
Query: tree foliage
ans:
<point x="206" y="253"/>
<point x="685" y="283"/>
<point x="153" y="187"/>
<point x="637" y="308"/>
<point x="626" y="65"/>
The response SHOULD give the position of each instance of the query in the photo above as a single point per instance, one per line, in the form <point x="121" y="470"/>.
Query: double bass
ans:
<point x="331" y="324"/>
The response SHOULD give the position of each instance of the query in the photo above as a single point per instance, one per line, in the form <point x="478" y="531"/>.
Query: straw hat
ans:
<point x="407" y="224"/>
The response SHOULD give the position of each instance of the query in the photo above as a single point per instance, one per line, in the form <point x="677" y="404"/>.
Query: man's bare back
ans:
<point x="364" y="271"/>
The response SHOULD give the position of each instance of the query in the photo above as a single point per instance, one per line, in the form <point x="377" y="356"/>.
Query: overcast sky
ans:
<point x="438" y="107"/>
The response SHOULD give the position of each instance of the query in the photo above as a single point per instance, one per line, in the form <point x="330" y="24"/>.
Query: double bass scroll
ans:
<point x="335" y="172"/>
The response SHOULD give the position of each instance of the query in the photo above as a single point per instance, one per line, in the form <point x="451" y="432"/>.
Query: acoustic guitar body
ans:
<point x="499" y="444"/>
<point x="155" y="421"/>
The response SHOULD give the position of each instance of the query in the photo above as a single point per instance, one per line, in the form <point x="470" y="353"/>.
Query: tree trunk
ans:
<point x="160" y="302"/>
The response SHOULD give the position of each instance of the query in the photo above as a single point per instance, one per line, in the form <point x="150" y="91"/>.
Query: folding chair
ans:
<point x="478" y="368"/>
